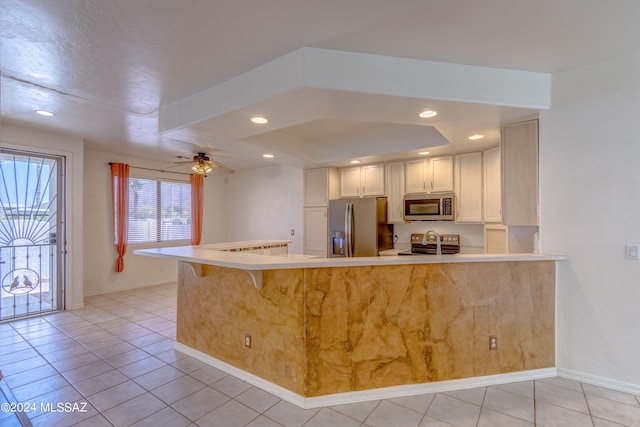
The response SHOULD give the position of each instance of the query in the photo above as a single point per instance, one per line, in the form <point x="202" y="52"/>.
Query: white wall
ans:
<point x="266" y="203"/>
<point x="100" y="254"/>
<point x="590" y="207"/>
<point x="72" y="149"/>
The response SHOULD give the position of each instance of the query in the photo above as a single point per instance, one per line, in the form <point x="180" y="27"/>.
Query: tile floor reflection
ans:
<point x="116" y="356"/>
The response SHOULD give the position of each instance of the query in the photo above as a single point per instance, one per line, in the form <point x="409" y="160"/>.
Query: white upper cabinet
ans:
<point x="429" y="175"/>
<point x="320" y="186"/>
<point x="416" y="174"/>
<point x="492" y="186"/>
<point x="468" y="188"/>
<point x="519" y="149"/>
<point x="395" y="193"/>
<point x="362" y="181"/>
<point x="441" y="174"/>
<point x="373" y="180"/>
<point x="350" y="182"/>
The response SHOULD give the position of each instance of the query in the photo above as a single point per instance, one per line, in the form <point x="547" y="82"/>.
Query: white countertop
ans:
<point x="214" y="255"/>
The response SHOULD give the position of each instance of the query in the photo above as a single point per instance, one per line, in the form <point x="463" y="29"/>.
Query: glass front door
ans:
<point x="31" y="233"/>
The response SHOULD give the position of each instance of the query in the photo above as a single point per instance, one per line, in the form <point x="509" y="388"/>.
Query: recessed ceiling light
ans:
<point x="476" y="137"/>
<point x="259" y="120"/>
<point x="428" y="113"/>
<point x="45" y="113"/>
<point x="424" y="153"/>
<point x="354" y="162"/>
<point x="268" y="156"/>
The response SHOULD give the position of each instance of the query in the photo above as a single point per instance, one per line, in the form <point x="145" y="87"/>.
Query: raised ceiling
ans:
<point x="108" y="68"/>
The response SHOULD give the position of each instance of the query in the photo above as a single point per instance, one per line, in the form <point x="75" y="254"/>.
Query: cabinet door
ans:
<point x="316" y="187"/>
<point x="350" y="182"/>
<point x="492" y="186"/>
<point x="441" y="173"/>
<point x="416" y="176"/>
<point x="315" y="231"/>
<point x="519" y="149"/>
<point x="468" y="189"/>
<point x="372" y="180"/>
<point x="496" y="239"/>
<point x="395" y="193"/>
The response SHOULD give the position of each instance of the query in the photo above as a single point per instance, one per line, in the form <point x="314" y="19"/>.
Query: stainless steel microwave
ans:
<point x="429" y="207"/>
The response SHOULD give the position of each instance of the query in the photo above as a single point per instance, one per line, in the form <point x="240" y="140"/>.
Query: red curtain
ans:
<point x="197" y="186"/>
<point x="120" y="201"/>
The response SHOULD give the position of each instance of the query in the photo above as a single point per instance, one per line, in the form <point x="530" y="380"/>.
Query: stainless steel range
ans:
<point x="449" y="244"/>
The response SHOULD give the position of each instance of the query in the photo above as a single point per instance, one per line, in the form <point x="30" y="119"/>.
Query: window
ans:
<point x="159" y="211"/>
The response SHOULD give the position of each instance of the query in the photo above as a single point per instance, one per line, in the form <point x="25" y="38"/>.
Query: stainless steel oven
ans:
<point x="429" y="207"/>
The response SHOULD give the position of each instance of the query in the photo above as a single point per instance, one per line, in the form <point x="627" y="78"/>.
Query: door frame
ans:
<point x="14" y="137"/>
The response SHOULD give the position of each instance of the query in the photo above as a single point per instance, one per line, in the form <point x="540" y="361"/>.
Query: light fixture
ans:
<point x="268" y="156"/>
<point x="423" y="153"/>
<point x="45" y="113"/>
<point x="259" y="120"/>
<point x="355" y="162"/>
<point x="476" y="137"/>
<point x="201" y="168"/>
<point x="428" y="114"/>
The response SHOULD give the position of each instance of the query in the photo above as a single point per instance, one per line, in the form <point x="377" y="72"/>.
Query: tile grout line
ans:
<point x="102" y="313"/>
<point x="535" y="408"/>
<point x="61" y="374"/>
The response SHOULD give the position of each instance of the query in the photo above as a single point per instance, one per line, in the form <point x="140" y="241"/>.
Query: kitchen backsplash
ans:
<point x="471" y="235"/>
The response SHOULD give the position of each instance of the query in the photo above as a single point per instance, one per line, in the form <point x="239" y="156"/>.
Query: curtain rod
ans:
<point x="155" y="170"/>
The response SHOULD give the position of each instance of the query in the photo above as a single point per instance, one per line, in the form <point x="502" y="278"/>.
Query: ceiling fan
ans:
<point x="202" y="165"/>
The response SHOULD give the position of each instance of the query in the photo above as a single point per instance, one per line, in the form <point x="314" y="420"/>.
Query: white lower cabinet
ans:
<point x="315" y="231"/>
<point x="468" y="188"/>
<point x="505" y="239"/>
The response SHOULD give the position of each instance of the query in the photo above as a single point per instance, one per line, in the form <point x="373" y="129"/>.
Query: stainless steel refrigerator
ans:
<point x="358" y="227"/>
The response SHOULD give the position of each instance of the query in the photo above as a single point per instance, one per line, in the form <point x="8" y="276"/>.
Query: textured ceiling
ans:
<point x="107" y="67"/>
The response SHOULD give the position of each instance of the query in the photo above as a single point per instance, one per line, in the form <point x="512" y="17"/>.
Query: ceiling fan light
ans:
<point x="201" y="168"/>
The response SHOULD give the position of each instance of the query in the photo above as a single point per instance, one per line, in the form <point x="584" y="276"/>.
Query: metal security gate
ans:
<point x="31" y="233"/>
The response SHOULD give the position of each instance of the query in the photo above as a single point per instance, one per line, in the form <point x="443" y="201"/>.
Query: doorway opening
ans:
<point x="32" y="237"/>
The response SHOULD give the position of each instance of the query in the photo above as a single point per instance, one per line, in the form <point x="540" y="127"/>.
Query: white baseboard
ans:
<point x="365" y="395"/>
<point x="129" y="287"/>
<point x="609" y="383"/>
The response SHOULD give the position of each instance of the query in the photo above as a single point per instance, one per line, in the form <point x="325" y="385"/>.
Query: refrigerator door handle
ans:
<point x="348" y="225"/>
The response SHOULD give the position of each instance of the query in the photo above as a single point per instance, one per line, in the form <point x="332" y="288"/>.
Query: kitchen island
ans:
<point x="311" y="330"/>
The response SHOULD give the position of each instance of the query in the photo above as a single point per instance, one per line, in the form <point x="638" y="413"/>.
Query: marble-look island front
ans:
<point x="370" y="327"/>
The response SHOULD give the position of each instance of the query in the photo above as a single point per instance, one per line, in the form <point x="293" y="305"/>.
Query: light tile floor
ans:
<point x="114" y="360"/>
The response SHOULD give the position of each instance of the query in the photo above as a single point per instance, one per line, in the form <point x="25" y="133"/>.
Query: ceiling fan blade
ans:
<point x="219" y="166"/>
<point x="184" y="162"/>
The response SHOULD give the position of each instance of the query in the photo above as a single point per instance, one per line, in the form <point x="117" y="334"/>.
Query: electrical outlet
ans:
<point x="493" y="342"/>
<point x="633" y="251"/>
<point x="247" y="340"/>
